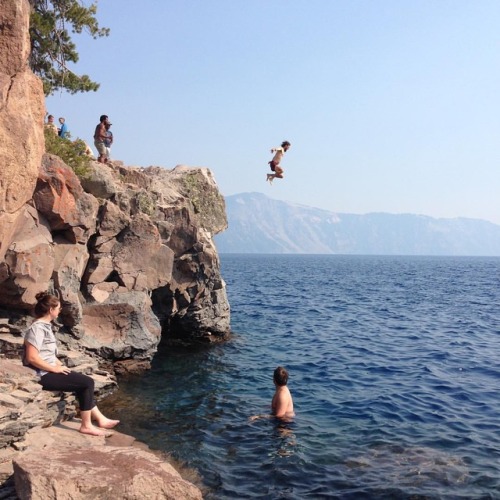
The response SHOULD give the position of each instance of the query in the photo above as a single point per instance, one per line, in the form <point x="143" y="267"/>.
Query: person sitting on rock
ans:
<point x="40" y="354"/>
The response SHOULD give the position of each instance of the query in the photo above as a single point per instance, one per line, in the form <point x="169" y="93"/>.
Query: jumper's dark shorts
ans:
<point x="272" y="165"/>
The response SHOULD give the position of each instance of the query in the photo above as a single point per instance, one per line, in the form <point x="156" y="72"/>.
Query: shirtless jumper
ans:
<point x="275" y="162"/>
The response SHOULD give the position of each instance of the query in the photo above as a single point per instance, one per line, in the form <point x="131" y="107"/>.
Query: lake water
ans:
<point x="394" y="369"/>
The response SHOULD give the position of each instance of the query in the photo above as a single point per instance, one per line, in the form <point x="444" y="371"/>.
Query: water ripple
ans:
<point x="394" y="370"/>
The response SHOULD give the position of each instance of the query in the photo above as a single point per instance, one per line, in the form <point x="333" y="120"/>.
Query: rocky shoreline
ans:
<point x="59" y="462"/>
<point x="43" y="456"/>
<point x="107" y="327"/>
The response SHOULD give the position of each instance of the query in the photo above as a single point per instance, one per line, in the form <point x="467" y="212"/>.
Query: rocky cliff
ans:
<point x="128" y="250"/>
<point x="130" y="253"/>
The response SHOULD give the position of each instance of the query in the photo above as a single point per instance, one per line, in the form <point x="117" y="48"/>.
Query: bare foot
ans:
<point x="93" y="431"/>
<point x="107" y="423"/>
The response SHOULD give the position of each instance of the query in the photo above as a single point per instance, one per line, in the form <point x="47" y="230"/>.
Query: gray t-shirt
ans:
<point x="41" y="336"/>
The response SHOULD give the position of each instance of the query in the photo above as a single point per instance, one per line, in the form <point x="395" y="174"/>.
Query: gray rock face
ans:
<point x="153" y="251"/>
<point x="124" y="327"/>
<point x="130" y="268"/>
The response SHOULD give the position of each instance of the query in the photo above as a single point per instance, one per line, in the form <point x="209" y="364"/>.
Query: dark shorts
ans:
<point x="272" y="165"/>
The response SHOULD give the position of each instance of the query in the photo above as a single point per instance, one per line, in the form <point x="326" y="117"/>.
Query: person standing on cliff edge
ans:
<point x="100" y="138"/>
<point x="275" y="162"/>
<point x="40" y="354"/>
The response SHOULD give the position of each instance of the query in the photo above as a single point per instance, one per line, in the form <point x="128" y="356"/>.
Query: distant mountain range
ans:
<point x="258" y="224"/>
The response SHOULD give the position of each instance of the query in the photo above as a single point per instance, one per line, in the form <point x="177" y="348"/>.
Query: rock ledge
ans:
<point x="85" y="467"/>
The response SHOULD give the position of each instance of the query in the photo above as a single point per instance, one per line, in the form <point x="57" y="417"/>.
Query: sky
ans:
<point x="390" y="106"/>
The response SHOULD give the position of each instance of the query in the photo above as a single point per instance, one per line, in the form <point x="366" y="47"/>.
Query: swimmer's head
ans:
<point x="280" y="376"/>
<point x="285" y="145"/>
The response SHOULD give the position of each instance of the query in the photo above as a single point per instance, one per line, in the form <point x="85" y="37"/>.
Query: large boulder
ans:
<point x="154" y="236"/>
<point x="135" y="257"/>
<point x="121" y="327"/>
<point x="104" y="472"/>
<point x="60" y="198"/>
<point x="29" y="260"/>
<point x="100" y="181"/>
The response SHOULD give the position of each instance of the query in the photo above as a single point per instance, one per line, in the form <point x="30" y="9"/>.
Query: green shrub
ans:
<point x="71" y="152"/>
<point x="145" y="203"/>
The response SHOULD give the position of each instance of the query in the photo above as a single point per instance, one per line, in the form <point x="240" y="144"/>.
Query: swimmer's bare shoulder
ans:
<point x="282" y="402"/>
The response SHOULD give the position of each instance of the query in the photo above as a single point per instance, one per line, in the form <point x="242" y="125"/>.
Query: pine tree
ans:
<point x="52" y="47"/>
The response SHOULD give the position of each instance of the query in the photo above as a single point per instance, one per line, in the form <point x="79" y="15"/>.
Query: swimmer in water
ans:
<point x="282" y="403"/>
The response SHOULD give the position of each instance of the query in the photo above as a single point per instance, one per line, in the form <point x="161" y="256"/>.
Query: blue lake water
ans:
<point x="394" y="369"/>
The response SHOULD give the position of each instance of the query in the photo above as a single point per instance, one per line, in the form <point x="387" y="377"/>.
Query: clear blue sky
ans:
<point x="390" y="105"/>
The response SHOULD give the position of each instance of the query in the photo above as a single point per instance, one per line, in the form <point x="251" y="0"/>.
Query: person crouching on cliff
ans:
<point x="40" y="354"/>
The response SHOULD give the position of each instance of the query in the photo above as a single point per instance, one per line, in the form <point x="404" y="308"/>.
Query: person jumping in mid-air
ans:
<point x="275" y="162"/>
